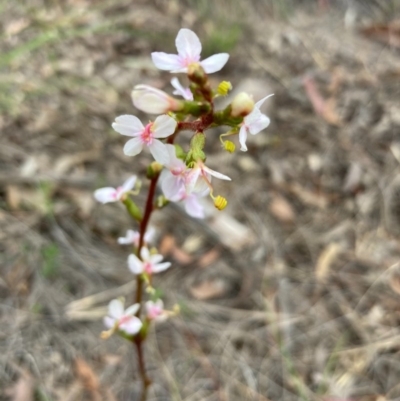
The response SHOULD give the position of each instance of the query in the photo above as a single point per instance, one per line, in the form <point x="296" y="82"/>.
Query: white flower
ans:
<point x="154" y="101"/>
<point x="189" y="50"/>
<point x="162" y="127"/>
<point x="109" y="194"/>
<point x="155" y="310"/>
<point x="122" y="320"/>
<point x="149" y="264"/>
<point x="186" y="93"/>
<point x="132" y="237"/>
<point x="253" y="123"/>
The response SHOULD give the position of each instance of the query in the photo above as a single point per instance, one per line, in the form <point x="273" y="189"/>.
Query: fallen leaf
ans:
<point x="23" y="389"/>
<point x="209" y="258"/>
<point x="282" y="209"/>
<point x="87" y="376"/>
<point x="325" y="260"/>
<point x="386" y="33"/>
<point x="208" y="289"/>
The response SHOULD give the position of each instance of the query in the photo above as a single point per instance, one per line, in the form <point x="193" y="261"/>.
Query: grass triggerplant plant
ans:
<point x="180" y="168"/>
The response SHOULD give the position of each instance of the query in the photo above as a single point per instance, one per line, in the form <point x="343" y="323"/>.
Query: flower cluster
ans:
<point x="180" y="169"/>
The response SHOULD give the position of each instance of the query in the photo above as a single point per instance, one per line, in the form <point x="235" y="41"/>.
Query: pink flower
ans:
<point x="253" y="123"/>
<point x="123" y="320"/>
<point x="132" y="237"/>
<point x="162" y="127"/>
<point x="155" y="310"/>
<point x="109" y="194"/>
<point x="154" y="101"/>
<point x="182" y="184"/>
<point x="189" y="50"/>
<point x="149" y="264"/>
<point x="180" y="90"/>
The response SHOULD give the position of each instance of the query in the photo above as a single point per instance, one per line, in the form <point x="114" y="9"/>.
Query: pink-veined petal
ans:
<point x="243" y="138"/>
<point x="260" y="102"/>
<point x="161" y="267"/>
<point x="109" y="322"/>
<point x="193" y="207"/>
<point x="105" y="195"/>
<point x="129" y="183"/>
<point x="214" y="63"/>
<point x="131" y="326"/>
<point x="133" y="147"/>
<point x="191" y="179"/>
<point x="115" y="309"/>
<point x="132" y="310"/>
<point x="164" y="126"/>
<point x="135" y="265"/>
<point x="188" y="45"/>
<point x="159" y="152"/>
<point x="128" y="125"/>
<point x="166" y="62"/>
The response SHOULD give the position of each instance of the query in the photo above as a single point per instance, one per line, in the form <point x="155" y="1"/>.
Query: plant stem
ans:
<point x="138" y="341"/>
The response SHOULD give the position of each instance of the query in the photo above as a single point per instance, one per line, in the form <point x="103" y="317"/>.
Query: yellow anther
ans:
<point x="229" y="146"/>
<point x="223" y="88"/>
<point x="220" y="202"/>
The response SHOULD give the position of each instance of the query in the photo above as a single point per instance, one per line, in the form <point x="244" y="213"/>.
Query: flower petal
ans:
<point x="156" y="258"/>
<point x="160" y="267"/>
<point x="172" y="186"/>
<point x="132" y="326"/>
<point x="132" y="310"/>
<point x="259" y="124"/>
<point x="243" y="138"/>
<point x="188" y="45"/>
<point x="216" y="174"/>
<point x="109" y="322"/>
<point x="193" y="207"/>
<point x="115" y="309"/>
<point x="166" y="62"/>
<point x="145" y="254"/>
<point x="214" y="63"/>
<point x="159" y="152"/>
<point x="129" y="238"/>
<point x="260" y="102"/>
<point x="164" y="126"/>
<point x="129" y="183"/>
<point x="135" y="265"/>
<point x="106" y="195"/>
<point x="133" y="147"/>
<point x="128" y="125"/>
<point x="180" y="90"/>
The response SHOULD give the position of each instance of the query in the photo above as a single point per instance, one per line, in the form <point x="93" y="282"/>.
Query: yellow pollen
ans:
<point x="223" y="88"/>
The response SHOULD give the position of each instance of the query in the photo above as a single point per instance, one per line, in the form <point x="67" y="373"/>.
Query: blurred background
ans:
<point x="292" y="292"/>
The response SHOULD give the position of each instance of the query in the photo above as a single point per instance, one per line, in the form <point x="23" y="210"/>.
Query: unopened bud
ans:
<point x="196" y="74"/>
<point x="229" y="146"/>
<point x="223" y="88"/>
<point x="154" y="101"/>
<point x="220" y="202"/>
<point x="242" y="105"/>
<point x="153" y="170"/>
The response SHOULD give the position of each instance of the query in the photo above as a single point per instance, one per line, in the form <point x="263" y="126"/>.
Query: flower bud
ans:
<point x="242" y="105"/>
<point x="154" y="101"/>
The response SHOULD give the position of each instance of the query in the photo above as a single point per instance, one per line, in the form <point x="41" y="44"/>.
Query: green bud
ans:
<point x="133" y="209"/>
<point x="153" y="170"/>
